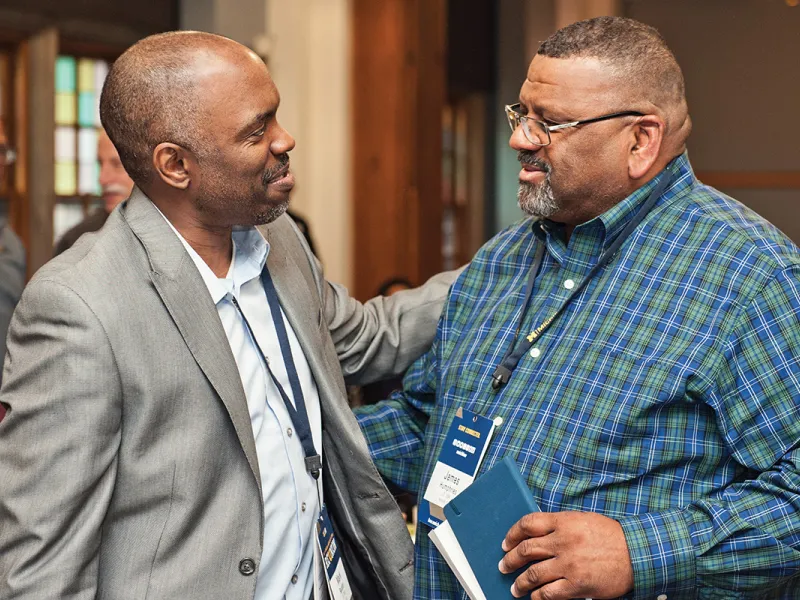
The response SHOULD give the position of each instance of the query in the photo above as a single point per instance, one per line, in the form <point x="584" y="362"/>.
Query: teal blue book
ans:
<point x="480" y="517"/>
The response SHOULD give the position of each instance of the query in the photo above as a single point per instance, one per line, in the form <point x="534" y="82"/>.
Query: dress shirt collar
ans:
<point x="601" y="231"/>
<point x="250" y="251"/>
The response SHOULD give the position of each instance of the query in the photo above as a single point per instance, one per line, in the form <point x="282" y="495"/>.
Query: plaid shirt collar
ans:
<point x="599" y="233"/>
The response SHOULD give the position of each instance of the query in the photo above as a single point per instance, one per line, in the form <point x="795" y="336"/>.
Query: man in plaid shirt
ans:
<point x="656" y="412"/>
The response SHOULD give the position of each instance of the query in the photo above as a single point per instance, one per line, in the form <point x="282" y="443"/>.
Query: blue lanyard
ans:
<point x="299" y="415"/>
<point x="510" y="361"/>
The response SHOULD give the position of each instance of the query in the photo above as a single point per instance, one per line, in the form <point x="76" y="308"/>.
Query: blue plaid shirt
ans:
<point x="666" y="396"/>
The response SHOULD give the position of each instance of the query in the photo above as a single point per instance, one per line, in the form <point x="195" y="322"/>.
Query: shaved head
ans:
<point x="151" y="96"/>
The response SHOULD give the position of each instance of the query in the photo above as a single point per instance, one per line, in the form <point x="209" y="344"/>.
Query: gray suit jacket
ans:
<point x="127" y="458"/>
<point x="12" y="280"/>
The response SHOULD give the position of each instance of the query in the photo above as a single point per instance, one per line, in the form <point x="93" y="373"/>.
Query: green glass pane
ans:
<point x="65" y="74"/>
<point x="65" y="108"/>
<point x="86" y="75"/>
<point x="66" y="176"/>
<point x="86" y="109"/>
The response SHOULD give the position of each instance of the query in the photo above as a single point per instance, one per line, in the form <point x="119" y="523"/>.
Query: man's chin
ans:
<point x="270" y="213"/>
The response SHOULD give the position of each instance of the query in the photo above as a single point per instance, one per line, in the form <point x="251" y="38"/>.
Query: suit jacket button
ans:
<point x="247" y="567"/>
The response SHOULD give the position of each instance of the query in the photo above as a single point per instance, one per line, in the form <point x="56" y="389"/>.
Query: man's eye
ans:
<point x="258" y="132"/>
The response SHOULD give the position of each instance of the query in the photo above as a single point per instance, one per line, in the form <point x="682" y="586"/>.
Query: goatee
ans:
<point x="536" y="199"/>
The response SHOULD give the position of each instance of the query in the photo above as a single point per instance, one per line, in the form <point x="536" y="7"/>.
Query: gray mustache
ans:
<point x="525" y="157"/>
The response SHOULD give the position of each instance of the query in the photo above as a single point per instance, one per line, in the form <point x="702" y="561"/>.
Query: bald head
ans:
<point x="645" y="72"/>
<point x="153" y="94"/>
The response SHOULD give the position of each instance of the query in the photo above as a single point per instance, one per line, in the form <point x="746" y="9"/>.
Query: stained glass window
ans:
<point x="78" y="85"/>
<point x="79" y="82"/>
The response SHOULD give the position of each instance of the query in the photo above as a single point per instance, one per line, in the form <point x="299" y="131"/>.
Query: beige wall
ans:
<point x="310" y="60"/>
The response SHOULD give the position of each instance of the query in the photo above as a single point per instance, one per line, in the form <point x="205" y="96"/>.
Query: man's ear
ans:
<point x="648" y="138"/>
<point x="174" y="164"/>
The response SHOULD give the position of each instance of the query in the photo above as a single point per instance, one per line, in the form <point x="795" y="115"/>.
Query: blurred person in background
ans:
<point x="115" y="184"/>
<point x="12" y="260"/>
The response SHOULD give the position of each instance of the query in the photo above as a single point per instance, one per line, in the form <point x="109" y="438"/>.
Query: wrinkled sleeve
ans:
<point x="745" y="538"/>
<point x="58" y="446"/>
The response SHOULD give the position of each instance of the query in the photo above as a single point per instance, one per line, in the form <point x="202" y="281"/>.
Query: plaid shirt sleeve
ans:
<point x="746" y="536"/>
<point x="395" y="428"/>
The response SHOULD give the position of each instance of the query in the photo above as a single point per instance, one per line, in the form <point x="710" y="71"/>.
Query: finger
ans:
<point x="530" y="526"/>
<point x="561" y="589"/>
<point x="527" y="551"/>
<point x="535" y="577"/>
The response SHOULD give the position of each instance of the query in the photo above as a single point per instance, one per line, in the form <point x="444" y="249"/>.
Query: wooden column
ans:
<point x="35" y="118"/>
<point x="398" y="73"/>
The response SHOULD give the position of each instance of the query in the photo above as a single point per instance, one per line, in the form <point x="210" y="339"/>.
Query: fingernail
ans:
<point x="500" y="566"/>
<point x="505" y="546"/>
<point x="514" y="591"/>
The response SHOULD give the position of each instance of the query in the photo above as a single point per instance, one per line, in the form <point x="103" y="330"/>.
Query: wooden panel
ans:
<point x="36" y="123"/>
<point x="761" y="180"/>
<point x="398" y="96"/>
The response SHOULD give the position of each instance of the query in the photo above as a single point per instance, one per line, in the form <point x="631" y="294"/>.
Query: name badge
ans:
<point x="338" y="585"/>
<point x="459" y="460"/>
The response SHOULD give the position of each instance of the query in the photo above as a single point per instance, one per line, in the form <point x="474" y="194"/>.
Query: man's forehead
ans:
<point x="568" y="79"/>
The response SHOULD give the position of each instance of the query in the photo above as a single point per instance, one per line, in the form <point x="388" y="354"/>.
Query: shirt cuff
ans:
<point x="662" y="553"/>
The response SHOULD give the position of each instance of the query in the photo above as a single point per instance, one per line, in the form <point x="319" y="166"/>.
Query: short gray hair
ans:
<point x="634" y="50"/>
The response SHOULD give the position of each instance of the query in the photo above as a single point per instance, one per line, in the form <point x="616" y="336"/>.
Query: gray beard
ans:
<point x="272" y="213"/>
<point x="537" y="200"/>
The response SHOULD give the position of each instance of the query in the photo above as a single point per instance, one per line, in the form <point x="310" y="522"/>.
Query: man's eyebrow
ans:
<point x="255" y="121"/>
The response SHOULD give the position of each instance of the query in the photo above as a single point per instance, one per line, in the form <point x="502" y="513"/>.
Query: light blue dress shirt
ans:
<point x="290" y="495"/>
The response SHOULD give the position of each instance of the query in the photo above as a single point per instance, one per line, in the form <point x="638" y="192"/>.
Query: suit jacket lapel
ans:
<point x="298" y="302"/>
<point x="188" y="302"/>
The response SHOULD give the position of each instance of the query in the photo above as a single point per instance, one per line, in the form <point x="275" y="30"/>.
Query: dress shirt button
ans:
<point x="569" y="284"/>
<point x="303" y="507"/>
<point x="294" y="578"/>
<point x="662" y="597"/>
<point x="247" y="567"/>
<point x="535" y="352"/>
<point x="289" y="432"/>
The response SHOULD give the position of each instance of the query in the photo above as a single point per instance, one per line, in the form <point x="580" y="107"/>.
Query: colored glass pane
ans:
<point x="100" y="73"/>
<point x="65" y="144"/>
<point x="65" y="217"/>
<point x="65" y="108"/>
<point x="86" y="75"/>
<point x="65" y="74"/>
<point x="66" y="179"/>
<point x="86" y="109"/>
<point x="87" y="145"/>
<point x="88" y="174"/>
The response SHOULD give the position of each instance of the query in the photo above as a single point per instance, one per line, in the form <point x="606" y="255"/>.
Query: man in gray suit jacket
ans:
<point x="151" y="447"/>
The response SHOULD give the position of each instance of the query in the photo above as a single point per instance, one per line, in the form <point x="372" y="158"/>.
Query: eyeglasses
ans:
<point x="538" y="132"/>
<point x="7" y="156"/>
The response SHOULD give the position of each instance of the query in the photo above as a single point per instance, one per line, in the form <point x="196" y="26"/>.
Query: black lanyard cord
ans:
<point x="515" y="353"/>
<point x="299" y="415"/>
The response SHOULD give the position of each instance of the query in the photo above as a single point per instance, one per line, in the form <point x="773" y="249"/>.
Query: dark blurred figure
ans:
<point x="302" y="225"/>
<point x="116" y="186"/>
<point x="12" y="262"/>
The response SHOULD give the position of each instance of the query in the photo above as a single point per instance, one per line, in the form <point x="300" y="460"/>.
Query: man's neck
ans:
<point x="213" y="244"/>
